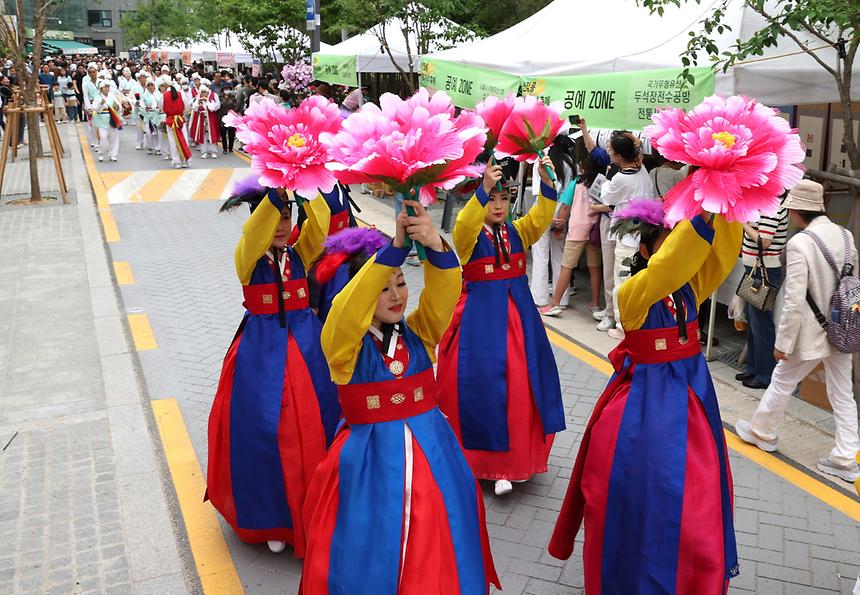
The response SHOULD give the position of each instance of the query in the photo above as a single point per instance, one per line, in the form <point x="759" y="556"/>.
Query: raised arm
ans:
<point x="722" y="259"/>
<point x="469" y="223"/>
<point x="675" y="263"/>
<point x="442" y="285"/>
<point x="257" y="235"/>
<point x="531" y="226"/>
<point x="314" y="230"/>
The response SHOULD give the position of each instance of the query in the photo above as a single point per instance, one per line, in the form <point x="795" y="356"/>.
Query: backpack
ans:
<point x="843" y="326"/>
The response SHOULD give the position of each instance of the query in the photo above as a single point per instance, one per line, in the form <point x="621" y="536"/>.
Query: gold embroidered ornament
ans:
<point x="396" y="367"/>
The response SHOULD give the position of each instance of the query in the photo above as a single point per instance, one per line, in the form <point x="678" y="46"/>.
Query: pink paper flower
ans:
<point x="529" y="129"/>
<point x="285" y="146"/>
<point x="495" y="112"/>
<point x="745" y="153"/>
<point x="407" y="144"/>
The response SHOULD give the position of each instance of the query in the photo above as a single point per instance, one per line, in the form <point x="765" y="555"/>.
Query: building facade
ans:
<point x="94" y="22"/>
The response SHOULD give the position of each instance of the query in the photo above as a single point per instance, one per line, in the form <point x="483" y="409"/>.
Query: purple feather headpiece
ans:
<point x="637" y="213"/>
<point x="345" y="244"/>
<point x="248" y="190"/>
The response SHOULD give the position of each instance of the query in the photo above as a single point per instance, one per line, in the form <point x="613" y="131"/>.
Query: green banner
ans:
<point x="467" y="85"/>
<point x="622" y="100"/>
<point x="337" y="70"/>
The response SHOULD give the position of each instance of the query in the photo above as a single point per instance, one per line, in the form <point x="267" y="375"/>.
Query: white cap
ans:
<point x="205" y="83"/>
<point x="165" y="68"/>
<point x="142" y="73"/>
<point x="149" y="81"/>
<point x="103" y="83"/>
<point x="92" y="66"/>
<point x="195" y="76"/>
<point x="126" y="70"/>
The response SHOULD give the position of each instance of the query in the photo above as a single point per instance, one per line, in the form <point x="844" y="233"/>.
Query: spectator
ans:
<point x="666" y="175"/>
<point x="771" y="232"/>
<point x="78" y="78"/>
<point x="284" y="96"/>
<point x="243" y="94"/>
<point x="217" y="83"/>
<point x="228" y="133"/>
<point x="5" y="97"/>
<point x="71" y="101"/>
<point x="578" y="210"/>
<point x="63" y="80"/>
<point x="59" y="104"/>
<point x="262" y="93"/>
<point x="801" y="343"/>
<point x="631" y="181"/>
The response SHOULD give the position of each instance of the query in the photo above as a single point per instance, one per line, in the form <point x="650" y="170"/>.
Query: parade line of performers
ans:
<point x="171" y="117"/>
<point x="331" y="432"/>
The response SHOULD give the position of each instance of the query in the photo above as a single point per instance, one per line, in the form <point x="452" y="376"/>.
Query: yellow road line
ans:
<point x="141" y="331"/>
<point x="112" y="178"/>
<point x="242" y="156"/>
<point x="155" y="189"/>
<point x="122" y="270"/>
<point x="213" y="184"/>
<point x="809" y="484"/>
<point x="211" y="556"/>
<point x="108" y="224"/>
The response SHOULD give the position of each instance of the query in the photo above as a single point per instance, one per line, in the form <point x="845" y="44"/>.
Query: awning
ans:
<point x="68" y="47"/>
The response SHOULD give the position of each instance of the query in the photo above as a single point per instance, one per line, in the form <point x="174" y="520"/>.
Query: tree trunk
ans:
<point x="34" y="146"/>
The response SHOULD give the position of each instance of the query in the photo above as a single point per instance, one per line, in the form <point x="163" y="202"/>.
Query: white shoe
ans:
<point x="550" y="310"/>
<point x="203" y="156"/>
<point x="176" y="165"/>
<point x="138" y="147"/>
<point x="113" y="159"/>
<point x="186" y="164"/>
<point x="101" y="158"/>
<point x="276" y="547"/>
<point x="166" y="157"/>
<point x="213" y="155"/>
<point x="850" y="473"/>
<point x="598" y="314"/>
<point x="605" y="325"/>
<point x="745" y="433"/>
<point x="616" y="333"/>
<point x="503" y="486"/>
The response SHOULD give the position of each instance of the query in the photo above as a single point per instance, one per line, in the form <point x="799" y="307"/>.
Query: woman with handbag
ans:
<point x="761" y="252"/>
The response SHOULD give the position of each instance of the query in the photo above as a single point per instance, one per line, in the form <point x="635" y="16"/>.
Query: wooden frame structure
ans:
<point x="13" y="127"/>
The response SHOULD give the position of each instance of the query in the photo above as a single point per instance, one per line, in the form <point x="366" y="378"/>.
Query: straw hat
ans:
<point x="806" y="196"/>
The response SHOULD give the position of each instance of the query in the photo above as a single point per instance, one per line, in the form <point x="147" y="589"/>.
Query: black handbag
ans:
<point x="755" y="288"/>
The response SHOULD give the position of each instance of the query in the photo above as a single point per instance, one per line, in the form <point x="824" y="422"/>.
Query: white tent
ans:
<point x="571" y="37"/>
<point x="373" y="57"/>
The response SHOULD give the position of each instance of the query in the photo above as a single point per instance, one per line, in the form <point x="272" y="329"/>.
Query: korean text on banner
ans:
<point x="255" y="68"/>
<point x="337" y="70"/>
<point x="225" y="59"/>
<point x="622" y="100"/>
<point x="467" y="85"/>
<point x="186" y="56"/>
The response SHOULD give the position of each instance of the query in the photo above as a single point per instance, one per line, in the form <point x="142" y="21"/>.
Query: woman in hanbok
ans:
<point x="276" y="410"/>
<point x="652" y="480"/>
<point x="498" y="378"/>
<point x="394" y="508"/>
<point x="149" y="118"/>
<point x="205" y="126"/>
<point x="174" y="123"/>
<point x="107" y="120"/>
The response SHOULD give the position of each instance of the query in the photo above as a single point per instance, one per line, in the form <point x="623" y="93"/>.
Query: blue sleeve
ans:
<point x="567" y="195"/>
<point x="548" y="191"/>
<point x="482" y="196"/>
<point x="275" y="199"/>
<point x="446" y="259"/>
<point x="391" y="256"/>
<point x="703" y="229"/>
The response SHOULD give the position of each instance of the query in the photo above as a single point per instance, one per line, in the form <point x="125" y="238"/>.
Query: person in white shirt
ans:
<point x="205" y="128"/>
<point x="631" y="181"/>
<point x="90" y="92"/>
<point x="667" y="175"/>
<point x="107" y="120"/>
<point x="135" y="95"/>
<point x="801" y="342"/>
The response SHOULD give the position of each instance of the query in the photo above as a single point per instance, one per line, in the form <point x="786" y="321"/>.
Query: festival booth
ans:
<point x="345" y="62"/>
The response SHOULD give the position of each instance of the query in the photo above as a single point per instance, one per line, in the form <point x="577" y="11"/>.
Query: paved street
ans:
<point x="173" y="258"/>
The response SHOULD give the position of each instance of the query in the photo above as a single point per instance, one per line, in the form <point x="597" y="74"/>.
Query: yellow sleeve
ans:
<point x="675" y="263"/>
<point x="443" y="283"/>
<point x="722" y="259"/>
<point x="531" y="226"/>
<point x="257" y="235"/>
<point x="469" y="222"/>
<point x="352" y="309"/>
<point x="314" y="231"/>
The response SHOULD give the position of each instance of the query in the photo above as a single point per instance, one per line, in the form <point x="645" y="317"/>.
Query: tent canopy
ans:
<point x="224" y="42"/>
<point x="621" y="36"/>
<point x="69" y="47"/>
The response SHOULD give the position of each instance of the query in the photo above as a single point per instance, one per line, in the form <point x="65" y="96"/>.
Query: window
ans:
<point x="100" y="18"/>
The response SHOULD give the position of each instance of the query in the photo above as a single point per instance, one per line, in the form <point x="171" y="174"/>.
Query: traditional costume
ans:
<point x="90" y="91"/>
<point x="498" y="378"/>
<point x="150" y="118"/>
<point x="276" y="409"/>
<point x="135" y="94"/>
<point x="107" y="121"/>
<point x="174" y="108"/>
<point x="394" y="507"/>
<point x="205" y="127"/>
<point x="652" y="479"/>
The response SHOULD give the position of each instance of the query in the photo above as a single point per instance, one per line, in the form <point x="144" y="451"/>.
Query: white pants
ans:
<point x="151" y="141"/>
<point x="108" y="142"/>
<point x="622" y="252"/>
<point x="209" y="148"/>
<point x="787" y="375"/>
<point x="607" y="249"/>
<point x="92" y="132"/>
<point x="176" y="155"/>
<point x="141" y="132"/>
<point x="545" y="252"/>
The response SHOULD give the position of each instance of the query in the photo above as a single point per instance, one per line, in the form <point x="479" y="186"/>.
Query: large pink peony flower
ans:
<point x="407" y="144"/>
<point x="495" y="112"/>
<point x="529" y="129"/>
<point x="746" y="157"/>
<point x="285" y="146"/>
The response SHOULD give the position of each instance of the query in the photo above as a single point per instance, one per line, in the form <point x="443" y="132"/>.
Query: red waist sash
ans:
<point x="656" y="346"/>
<point x="374" y="402"/>
<point x="263" y="298"/>
<point x="485" y="269"/>
<point x="338" y="222"/>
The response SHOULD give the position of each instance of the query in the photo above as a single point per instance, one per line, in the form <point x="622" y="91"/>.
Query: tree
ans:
<point x="157" y="21"/>
<point x="265" y="26"/>
<point x="424" y="26"/>
<point x="832" y="23"/>
<point x="13" y="37"/>
<point x="489" y="18"/>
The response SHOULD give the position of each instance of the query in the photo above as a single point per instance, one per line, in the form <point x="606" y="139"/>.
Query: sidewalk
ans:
<point x="84" y="507"/>
<point x="806" y="434"/>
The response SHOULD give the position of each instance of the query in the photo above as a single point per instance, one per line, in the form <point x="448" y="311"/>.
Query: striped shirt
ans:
<point x="776" y="229"/>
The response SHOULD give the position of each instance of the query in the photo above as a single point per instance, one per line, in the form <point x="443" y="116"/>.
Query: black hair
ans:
<point x="624" y="145"/>
<point x="808" y="216"/>
<point x="561" y="155"/>
<point x="591" y="168"/>
<point x="173" y="92"/>
<point x="284" y="94"/>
